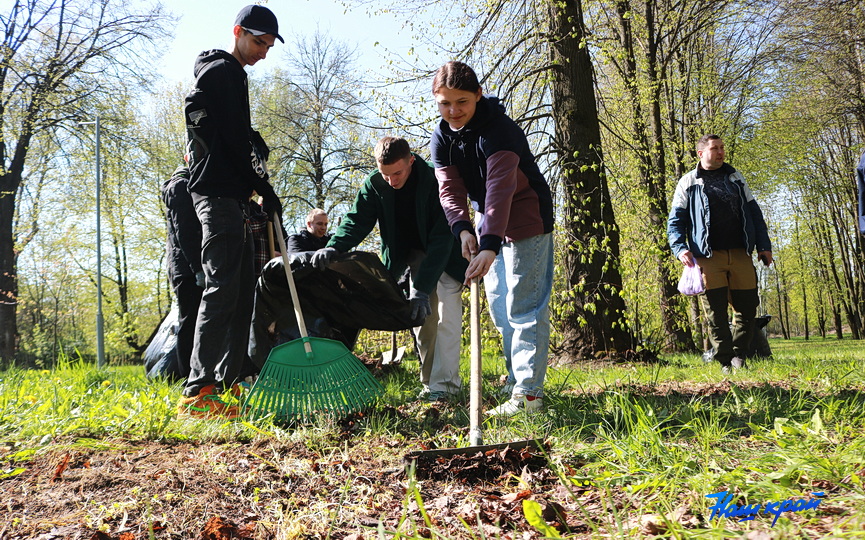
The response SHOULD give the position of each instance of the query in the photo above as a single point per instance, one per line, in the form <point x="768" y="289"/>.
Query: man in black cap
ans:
<point x="227" y="162"/>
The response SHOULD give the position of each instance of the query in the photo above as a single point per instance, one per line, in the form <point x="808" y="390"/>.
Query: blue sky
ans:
<point x="207" y="24"/>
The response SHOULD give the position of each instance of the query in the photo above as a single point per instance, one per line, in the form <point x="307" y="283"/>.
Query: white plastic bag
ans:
<point x="691" y="282"/>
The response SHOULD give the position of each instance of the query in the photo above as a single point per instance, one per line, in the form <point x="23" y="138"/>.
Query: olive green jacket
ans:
<point x="375" y="203"/>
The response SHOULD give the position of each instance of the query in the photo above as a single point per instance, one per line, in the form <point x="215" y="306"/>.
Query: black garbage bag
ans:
<point x="160" y="357"/>
<point x="760" y="342"/>
<point x="355" y="291"/>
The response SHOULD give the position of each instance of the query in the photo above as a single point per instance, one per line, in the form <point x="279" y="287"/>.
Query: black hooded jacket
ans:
<point x="217" y="115"/>
<point x="183" y="245"/>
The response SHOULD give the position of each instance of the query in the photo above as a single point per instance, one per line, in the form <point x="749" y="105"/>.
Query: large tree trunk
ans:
<point x="593" y="324"/>
<point x="8" y="269"/>
<point x="10" y="182"/>
<point x="780" y="297"/>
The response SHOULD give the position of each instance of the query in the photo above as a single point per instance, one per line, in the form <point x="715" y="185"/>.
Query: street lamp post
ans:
<point x="100" y="332"/>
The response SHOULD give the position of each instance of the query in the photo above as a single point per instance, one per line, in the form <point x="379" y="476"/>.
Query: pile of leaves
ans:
<point x="474" y="464"/>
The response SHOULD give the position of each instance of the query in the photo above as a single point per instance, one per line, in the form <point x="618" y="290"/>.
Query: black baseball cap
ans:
<point x="258" y="20"/>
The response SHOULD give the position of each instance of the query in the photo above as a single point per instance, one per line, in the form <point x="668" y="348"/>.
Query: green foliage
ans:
<point x="534" y="516"/>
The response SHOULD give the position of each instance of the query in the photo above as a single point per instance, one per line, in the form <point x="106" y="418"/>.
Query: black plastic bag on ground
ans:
<point x="355" y="291"/>
<point x="160" y="357"/>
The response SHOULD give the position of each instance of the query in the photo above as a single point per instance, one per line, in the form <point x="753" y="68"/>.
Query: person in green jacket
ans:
<point x="402" y="197"/>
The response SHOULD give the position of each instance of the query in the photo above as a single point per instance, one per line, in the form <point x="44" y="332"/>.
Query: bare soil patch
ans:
<point x="128" y="490"/>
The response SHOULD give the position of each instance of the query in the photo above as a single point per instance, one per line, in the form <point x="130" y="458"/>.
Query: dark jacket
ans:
<point x="219" y="131"/>
<point x="183" y="243"/>
<point x="688" y="223"/>
<point x="375" y="203"/>
<point x="490" y="161"/>
<point x="305" y="241"/>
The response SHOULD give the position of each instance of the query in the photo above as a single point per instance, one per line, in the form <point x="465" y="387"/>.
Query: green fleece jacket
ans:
<point x="375" y="203"/>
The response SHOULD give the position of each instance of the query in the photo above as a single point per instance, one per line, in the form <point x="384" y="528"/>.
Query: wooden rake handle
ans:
<point x="271" y="250"/>
<point x="290" y="278"/>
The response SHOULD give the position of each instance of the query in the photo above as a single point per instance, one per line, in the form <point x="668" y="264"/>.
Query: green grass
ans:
<point x="636" y="446"/>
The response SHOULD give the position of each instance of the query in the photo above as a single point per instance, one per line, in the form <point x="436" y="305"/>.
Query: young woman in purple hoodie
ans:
<point x="482" y="155"/>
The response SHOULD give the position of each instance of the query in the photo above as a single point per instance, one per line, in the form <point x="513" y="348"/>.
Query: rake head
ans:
<point x="295" y="385"/>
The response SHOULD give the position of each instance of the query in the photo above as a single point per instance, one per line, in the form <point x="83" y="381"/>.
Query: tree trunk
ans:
<point x="805" y="310"/>
<point x="678" y="335"/>
<point x="803" y="277"/>
<point x="821" y="320"/>
<point x="593" y="324"/>
<point x="650" y="149"/>
<point x="836" y="315"/>
<point x="8" y="270"/>
<point x="781" y="316"/>
<point x="10" y="181"/>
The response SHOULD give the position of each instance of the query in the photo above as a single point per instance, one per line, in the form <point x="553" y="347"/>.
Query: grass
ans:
<point x="636" y="448"/>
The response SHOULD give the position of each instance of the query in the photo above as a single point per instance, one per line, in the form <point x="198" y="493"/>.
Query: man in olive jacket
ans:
<point x="402" y="197"/>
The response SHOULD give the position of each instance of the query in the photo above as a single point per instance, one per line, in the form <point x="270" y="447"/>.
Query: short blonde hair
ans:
<point x="314" y="212"/>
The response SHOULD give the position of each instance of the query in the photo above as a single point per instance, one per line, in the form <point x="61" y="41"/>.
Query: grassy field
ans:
<point x="634" y="450"/>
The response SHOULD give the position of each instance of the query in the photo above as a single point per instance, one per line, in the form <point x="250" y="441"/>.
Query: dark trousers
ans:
<point x="736" y="341"/>
<point x="224" y="316"/>
<point x="188" y="300"/>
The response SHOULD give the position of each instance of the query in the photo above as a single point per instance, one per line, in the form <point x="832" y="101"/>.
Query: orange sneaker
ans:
<point x="208" y="403"/>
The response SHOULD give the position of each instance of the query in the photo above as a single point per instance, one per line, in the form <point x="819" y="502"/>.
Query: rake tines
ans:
<point x="292" y="386"/>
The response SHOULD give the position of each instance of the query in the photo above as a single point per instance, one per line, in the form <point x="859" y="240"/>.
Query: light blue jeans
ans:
<point x="518" y="288"/>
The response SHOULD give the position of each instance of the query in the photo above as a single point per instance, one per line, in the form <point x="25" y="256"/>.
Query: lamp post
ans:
<point x="100" y="332"/>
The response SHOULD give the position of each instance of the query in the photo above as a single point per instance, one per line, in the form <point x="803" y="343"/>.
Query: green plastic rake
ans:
<point x="309" y="376"/>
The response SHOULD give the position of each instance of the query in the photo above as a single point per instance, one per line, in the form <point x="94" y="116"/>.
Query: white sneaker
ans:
<point x="516" y="404"/>
<point x="424" y="393"/>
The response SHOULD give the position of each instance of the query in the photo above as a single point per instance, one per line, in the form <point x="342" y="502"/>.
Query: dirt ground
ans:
<point x="138" y="490"/>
